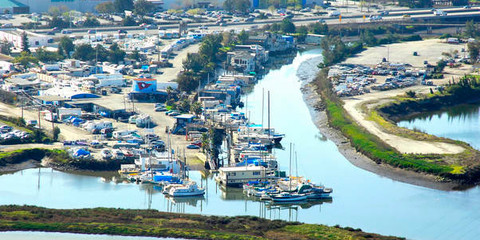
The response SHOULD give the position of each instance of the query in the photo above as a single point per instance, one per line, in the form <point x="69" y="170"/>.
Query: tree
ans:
<point x="100" y="54"/>
<point x="91" y="22"/>
<point x="56" y="133"/>
<point x="459" y="2"/>
<point x="226" y="38"/>
<point x="55" y="11"/>
<point x="194" y="62"/>
<point x="210" y="45"/>
<point x="116" y="54"/>
<point x="84" y="52"/>
<point x="136" y="56"/>
<point x="241" y="6"/>
<point x="106" y="7"/>
<point x="368" y="38"/>
<point x="473" y="50"/>
<point x="66" y="45"/>
<point x="122" y="5"/>
<point x="25" y="43"/>
<point x="411" y="94"/>
<point x="287" y="26"/>
<point x="25" y="59"/>
<point x="333" y="49"/>
<point x="196" y="108"/>
<point x="128" y="21"/>
<point x="416" y="3"/>
<point x="5" y="47"/>
<point x="48" y="56"/>
<point x="440" y="66"/>
<point x="196" y="11"/>
<point x="302" y="30"/>
<point x="187" y="82"/>
<point x="142" y="7"/>
<point x="242" y="37"/>
<point x="58" y="22"/>
<point x="318" y="28"/>
<point x="471" y="29"/>
<point x="184" y="105"/>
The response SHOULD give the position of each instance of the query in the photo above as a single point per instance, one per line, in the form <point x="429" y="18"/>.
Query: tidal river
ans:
<point x="361" y="199"/>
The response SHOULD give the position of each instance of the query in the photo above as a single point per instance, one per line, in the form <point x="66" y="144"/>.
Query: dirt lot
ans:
<point x="430" y="50"/>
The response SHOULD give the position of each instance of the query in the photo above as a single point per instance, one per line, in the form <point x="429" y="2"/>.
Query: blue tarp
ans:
<point x="81" y="152"/>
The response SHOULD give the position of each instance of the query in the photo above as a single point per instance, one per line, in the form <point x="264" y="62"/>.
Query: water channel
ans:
<point x="459" y="123"/>
<point x="361" y="199"/>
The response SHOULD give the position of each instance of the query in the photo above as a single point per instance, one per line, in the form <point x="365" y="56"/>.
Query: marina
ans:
<point x="363" y="200"/>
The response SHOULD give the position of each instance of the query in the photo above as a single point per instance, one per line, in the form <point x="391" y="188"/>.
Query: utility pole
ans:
<point x="39" y="124"/>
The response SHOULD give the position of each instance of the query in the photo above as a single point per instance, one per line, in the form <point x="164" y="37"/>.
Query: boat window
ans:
<point x="256" y="173"/>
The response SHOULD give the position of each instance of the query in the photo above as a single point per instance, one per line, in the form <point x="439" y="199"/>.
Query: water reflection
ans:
<point x="458" y="123"/>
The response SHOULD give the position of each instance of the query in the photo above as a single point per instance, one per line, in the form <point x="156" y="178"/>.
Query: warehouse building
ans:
<point x="40" y="6"/>
<point x="13" y="6"/>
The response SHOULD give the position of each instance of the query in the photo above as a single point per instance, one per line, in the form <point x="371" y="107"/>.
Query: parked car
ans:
<point x="66" y="32"/>
<point x="173" y="114"/>
<point x="118" y="154"/>
<point x="106" y="154"/>
<point x="192" y="146"/>
<point x="122" y="31"/>
<point x="92" y="31"/>
<point x="160" y="109"/>
<point x="5" y="128"/>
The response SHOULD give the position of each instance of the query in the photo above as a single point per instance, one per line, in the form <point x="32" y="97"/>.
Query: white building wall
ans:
<point x="15" y="36"/>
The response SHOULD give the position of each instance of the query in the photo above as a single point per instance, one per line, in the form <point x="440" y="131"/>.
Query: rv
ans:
<point x="119" y="135"/>
<point x="90" y="125"/>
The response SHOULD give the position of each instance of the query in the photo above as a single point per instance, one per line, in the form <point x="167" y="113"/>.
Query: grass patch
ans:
<point x="457" y="169"/>
<point x="153" y="223"/>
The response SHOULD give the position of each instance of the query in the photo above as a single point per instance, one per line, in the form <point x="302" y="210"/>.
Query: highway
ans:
<point x="347" y="18"/>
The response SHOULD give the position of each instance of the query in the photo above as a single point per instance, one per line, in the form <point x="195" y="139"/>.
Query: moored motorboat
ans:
<point x="187" y="190"/>
<point x="289" y="197"/>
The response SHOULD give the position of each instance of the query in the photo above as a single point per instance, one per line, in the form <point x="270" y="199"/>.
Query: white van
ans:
<point x="334" y="14"/>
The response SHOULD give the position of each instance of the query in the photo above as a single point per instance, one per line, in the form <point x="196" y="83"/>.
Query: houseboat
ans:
<point x="237" y="176"/>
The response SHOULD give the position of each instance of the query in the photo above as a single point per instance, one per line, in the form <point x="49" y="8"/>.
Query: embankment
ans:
<point x="159" y="224"/>
<point x="55" y="158"/>
<point x="442" y="167"/>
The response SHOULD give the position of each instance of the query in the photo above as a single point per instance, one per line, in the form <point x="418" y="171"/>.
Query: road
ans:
<point x="347" y="18"/>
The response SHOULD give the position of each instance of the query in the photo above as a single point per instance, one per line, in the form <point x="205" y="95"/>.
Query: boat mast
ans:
<point x="290" y="170"/>
<point x="269" y="115"/>
<point x="263" y="104"/>
<point x="296" y="165"/>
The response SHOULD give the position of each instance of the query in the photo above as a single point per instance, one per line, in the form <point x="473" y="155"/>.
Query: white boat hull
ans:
<point x="188" y="194"/>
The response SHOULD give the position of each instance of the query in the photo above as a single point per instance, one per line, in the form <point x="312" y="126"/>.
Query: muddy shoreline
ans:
<point x="307" y="72"/>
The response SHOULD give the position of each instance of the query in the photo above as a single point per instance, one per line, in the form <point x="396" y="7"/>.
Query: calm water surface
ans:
<point x="459" y="123"/>
<point x="361" y="199"/>
<point x="68" y="236"/>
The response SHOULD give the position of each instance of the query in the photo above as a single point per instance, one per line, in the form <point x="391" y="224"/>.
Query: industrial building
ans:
<point x="13" y="6"/>
<point x="39" y="6"/>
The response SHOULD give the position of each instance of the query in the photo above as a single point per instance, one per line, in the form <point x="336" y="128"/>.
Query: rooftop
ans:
<point x="11" y="4"/>
<point x="243" y="168"/>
